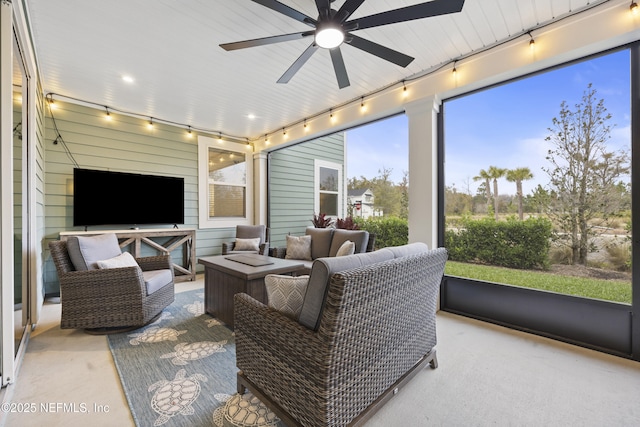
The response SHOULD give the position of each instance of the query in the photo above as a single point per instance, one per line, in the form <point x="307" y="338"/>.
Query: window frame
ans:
<point x="204" y="220"/>
<point x="317" y="164"/>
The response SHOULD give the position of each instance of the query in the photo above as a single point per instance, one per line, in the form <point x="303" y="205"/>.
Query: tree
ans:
<point x="483" y="174"/>
<point x="518" y="175"/>
<point x="387" y="196"/>
<point x="404" y="195"/>
<point x="495" y="173"/>
<point x="583" y="173"/>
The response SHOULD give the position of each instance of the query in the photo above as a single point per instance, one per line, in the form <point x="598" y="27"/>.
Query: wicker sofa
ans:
<point x="325" y="242"/>
<point x="375" y="328"/>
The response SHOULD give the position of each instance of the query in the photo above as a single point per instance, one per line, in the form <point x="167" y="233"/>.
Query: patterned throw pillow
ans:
<point x="286" y="293"/>
<point x="123" y="260"/>
<point x="347" y="248"/>
<point x="298" y="247"/>
<point x="247" y="244"/>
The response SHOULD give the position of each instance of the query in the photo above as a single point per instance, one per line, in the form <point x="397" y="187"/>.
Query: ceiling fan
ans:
<point x="332" y="28"/>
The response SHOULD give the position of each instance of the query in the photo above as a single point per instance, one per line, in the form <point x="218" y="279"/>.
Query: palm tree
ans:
<point x="518" y="175"/>
<point x="487" y="186"/>
<point x="495" y="173"/>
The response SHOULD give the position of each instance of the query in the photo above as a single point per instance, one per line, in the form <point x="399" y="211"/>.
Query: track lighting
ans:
<point x="633" y="7"/>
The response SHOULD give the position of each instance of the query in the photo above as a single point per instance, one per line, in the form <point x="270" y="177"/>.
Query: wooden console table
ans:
<point x="135" y="239"/>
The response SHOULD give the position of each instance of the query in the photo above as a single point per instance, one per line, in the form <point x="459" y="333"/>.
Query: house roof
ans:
<point x="358" y="192"/>
<point x="170" y="48"/>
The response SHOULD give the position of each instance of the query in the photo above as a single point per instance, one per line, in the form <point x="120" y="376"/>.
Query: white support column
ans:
<point x="423" y="170"/>
<point x="6" y="195"/>
<point x="260" y="186"/>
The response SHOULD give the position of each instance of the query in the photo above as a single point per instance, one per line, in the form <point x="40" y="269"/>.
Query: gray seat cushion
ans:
<point x="321" y="271"/>
<point x="156" y="279"/>
<point x="359" y="237"/>
<point x="86" y="251"/>
<point x="320" y="241"/>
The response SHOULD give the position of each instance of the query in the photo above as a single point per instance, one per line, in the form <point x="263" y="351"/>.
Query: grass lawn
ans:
<point x="610" y="290"/>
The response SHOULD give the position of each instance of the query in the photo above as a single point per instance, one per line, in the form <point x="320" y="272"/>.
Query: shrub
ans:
<point x="389" y="231"/>
<point x="511" y="243"/>
<point x="347" y="224"/>
<point x="321" y="221"/>
<point x="620" y="256"/>
<point x="561" y="254"/>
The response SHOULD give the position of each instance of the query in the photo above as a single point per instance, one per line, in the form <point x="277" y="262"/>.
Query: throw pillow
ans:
<point x="347" y="248"/>
<point x="247" y="244"/>
<point x="123" y="260"/>
<point x="285" y="294"/>
<point x="298" y="247"/>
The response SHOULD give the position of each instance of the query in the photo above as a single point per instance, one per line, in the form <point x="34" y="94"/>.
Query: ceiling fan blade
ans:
<point x="380" y="51"/>
<point x="298" y="63"/>
<point x="409" y="13"/>
<point x="339" y="67"/>
<point x="324" y="8"/>
<point x="265" y="40"/>
<point x="347" y="9"/>
<point x="288" y="11"/>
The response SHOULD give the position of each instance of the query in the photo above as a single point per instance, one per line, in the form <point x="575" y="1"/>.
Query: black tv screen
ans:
<point x="117" y="198"/>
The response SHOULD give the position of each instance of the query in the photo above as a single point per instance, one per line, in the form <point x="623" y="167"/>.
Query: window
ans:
<point x="225" y="176"/>
<point x="328" y="188"/>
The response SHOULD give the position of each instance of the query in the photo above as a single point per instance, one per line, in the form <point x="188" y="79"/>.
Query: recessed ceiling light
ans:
<point x="127" y="79"/>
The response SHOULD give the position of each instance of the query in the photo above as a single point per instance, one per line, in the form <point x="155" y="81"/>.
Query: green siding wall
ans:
<point x="291" y="184"/>
<point x="123" y="144"/>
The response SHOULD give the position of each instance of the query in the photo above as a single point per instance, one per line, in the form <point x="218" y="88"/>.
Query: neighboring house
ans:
<point x="360" y="202"/>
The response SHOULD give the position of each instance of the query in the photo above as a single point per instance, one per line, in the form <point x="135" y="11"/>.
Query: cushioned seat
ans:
<point x="102" y="288"/>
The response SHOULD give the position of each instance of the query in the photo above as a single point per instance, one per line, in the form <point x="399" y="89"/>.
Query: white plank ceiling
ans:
<point x="170" y="48"/>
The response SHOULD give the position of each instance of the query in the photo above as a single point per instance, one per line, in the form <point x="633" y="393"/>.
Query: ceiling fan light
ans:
<point x="329" y="37"/>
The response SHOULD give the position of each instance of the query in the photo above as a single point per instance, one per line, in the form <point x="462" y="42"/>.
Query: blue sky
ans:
<point x="504" y="126"/>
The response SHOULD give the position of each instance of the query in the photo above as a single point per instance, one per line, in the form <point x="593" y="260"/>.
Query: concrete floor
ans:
<point x="487" y="375"/>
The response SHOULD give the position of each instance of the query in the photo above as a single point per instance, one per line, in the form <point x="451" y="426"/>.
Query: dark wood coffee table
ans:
<point x="224" y="277"/>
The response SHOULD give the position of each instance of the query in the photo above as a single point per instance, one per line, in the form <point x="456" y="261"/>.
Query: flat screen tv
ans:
<point x="117" y="198"/>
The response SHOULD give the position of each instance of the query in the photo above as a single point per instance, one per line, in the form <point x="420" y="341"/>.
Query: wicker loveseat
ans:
<point x="375" y="328"/>
<point x="325" y="242"/>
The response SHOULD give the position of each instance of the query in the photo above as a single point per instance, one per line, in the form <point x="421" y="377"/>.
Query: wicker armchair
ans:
<point x="109" y="300"/>
<point x="371" y="340"/>
<point x="249" y="232"/>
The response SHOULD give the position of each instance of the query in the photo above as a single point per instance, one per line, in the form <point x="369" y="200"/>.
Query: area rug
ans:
<point x="180" y="371"/>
